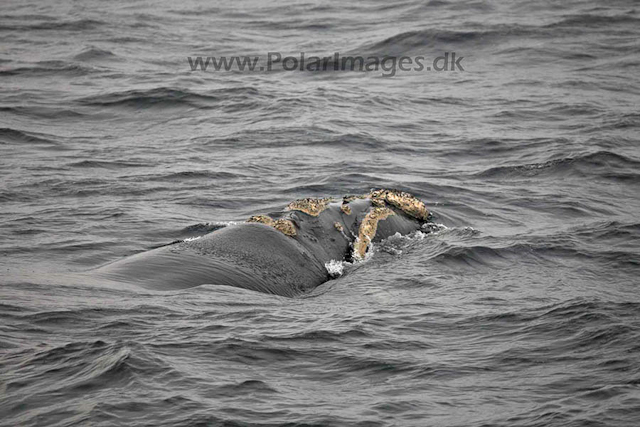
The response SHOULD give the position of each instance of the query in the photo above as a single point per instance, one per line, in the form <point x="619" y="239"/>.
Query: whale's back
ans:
<point x="251" y="256"/>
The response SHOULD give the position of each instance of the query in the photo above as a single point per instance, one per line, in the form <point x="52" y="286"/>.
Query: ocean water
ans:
<point x="521" y="309"/>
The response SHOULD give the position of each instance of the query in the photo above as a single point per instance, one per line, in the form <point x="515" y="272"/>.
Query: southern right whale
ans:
<point x="283" y="253"/>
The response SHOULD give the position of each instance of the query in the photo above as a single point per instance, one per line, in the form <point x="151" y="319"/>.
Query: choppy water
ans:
<point x="523" y="310"/>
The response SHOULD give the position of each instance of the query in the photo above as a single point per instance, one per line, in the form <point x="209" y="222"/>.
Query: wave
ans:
<point x="577" y="312"/>
<point x="45" y="68"/>
<point x="611" y="232"/>
<point x="622" y="121"/>
<point x="168" y="97"/>
<point x="147" y="98"/>
<point x="105" y="164"/>
<point x="361" y="140"/>
<point x="42" y="112"/>
<point x="198" y="11"/>
<point x="245" y="388"/>
<point x="548" y="251"/>
<point x="321" y="335"/>
<point x="51" y="25"/>
<point x="93" y="54"/>
<point x="596" y="244"/>
<point x="80" y="367"/>
<point x="604" y="164"/>
<point x="587" y="20"/>
<point x="483" y="147"/>
<point x="578" y="325"/>
<point x="12" y="136"/>
<point x="534" y="54"/>
<point x="490" y="36"/>
<point x="197" y="175"/>
<point x="410" y="41"/>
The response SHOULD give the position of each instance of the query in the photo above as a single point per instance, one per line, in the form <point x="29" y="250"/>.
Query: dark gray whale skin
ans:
<point x="257" y="256"/>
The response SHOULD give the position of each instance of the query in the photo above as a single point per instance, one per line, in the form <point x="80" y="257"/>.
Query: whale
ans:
<point x="283" y="253"/>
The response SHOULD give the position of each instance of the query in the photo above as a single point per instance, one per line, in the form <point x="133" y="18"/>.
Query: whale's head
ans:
<point x="349" y="224"/>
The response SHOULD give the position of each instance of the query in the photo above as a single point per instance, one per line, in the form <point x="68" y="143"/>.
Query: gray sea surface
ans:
<point x="521" y="309"/>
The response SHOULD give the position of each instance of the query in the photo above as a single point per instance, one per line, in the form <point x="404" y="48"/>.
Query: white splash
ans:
<point x="334" y="268"/>
<point x="434" y="227"/>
